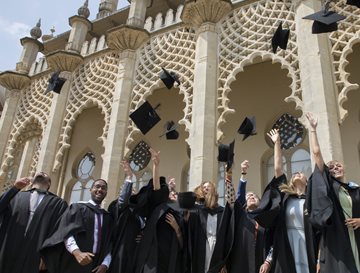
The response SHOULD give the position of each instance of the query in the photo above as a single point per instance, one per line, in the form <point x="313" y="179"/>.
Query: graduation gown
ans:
<point x="272" y="214"/>
<point x="197" y="238"/>
<point x="77" y="221"/>
<point x="160" y="251"/>
<point x="251" y="243"/>
<point x="19" y="252"/>
<point x="327" y="214"/>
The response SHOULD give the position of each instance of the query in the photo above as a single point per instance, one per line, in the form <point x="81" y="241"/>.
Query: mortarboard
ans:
<point x="355" y="3"/>
<point x="170" y="130"/>
<point x="145" y="117"/>
<point x="226" y="154"/>
<point x="55" y="83"/>
<point x="187" y="199"/>
<point x="169" y="78"/>
<point x="280" y="38"/>
<point x="324" y="21"/>
<point x="248" y="127"/>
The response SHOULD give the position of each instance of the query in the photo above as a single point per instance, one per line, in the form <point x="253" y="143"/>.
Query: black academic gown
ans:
<point x="271" y="214"/>
<point x="197" y="237"/>
<point x="19" y="252"/>
<point x="251" y="243"/>
<point x="78" y="221"/>
<point x="326" y="213"/>
<point x="160" y="251"/>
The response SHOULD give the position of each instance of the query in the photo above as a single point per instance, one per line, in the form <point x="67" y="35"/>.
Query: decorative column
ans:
<point x="70" y="58"/>
<point x="107" y="7"/>
<point x="125" y="39"/>
<point x="14" y="81"/>
<point x="204" y="14"/>
<point x="319" y="90"/>
<point x="137" y="12"/>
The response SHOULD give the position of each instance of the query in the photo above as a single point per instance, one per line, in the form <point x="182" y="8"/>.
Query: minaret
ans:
<point x="31" y="47"/>
<point x="107" y="7"/>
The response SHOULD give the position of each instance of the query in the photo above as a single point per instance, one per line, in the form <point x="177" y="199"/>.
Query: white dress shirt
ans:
<point x="35" y="200"/>
<point x="71" y="244"/>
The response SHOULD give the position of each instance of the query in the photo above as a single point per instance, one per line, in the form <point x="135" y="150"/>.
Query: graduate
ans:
<point x="27" y="218"/>
<point x="251" y="241"/>
<point x="334" y="207"/>
<point x="161" y="247"/>
<point x="128" y="227"/>
<point x="81" y="243"/>
<point x="210" y="232"/>
<point x="283" y="208"/>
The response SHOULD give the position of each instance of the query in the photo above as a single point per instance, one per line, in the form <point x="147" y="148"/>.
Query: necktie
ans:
<point x="99" y="226"/>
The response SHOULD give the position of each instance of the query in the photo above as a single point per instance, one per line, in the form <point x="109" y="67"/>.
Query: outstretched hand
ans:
<point x="312" y="120"/>
<point x="244" y="166"/>
<point x="155" y="156"/>
<point x="274" y="135"/>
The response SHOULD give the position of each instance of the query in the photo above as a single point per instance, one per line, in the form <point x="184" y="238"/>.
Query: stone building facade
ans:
<point x="221" y="50"/>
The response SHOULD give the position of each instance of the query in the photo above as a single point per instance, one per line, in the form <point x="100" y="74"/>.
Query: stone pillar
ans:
<point x="50" y="140"/>
<point x="319" y="90"/>
<point x="137" y="12"/>
<point x="7" y="118"/>
<point x="107" y="7"/>
<point x="80" y="25"/>
<point x="125" y="39"/>
<point x="26" y="158"/>
<point x="204" y="14"/>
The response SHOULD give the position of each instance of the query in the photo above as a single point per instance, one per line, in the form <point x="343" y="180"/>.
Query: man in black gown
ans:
<point x="81" y="243"/>
<point x="27" y="218"/>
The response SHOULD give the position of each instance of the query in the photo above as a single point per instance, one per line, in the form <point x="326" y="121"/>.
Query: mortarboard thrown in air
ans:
<point x="324" y="20"/>
<point x="169" y="78"/>
<point x="248" y="127"/>
<point x="170" y="130"/>
<point x="55" y="83"/>
<point x="145" y="117"/>
<point x="280" y="38"/>
<point x="226" y="154"/>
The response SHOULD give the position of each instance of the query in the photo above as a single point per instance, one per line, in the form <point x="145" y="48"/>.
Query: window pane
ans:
<point x="221" y="184"/>
<point x="77" y="186"/>
<point x="270" y="168"/>
<point x="75" y="196"/>
<point x="86" y="166"/>
<point x="300" y="162"/>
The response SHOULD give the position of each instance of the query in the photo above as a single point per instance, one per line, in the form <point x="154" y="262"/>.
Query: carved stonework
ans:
<point x="62" y="60"/>
<point x="197" y="12"/>
<point x="126" y="37"/>
<point x="14" y="80"/>
<point x="25" y="40"/>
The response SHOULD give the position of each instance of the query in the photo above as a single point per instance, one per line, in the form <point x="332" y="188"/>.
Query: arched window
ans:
<point x="81" y="189"/>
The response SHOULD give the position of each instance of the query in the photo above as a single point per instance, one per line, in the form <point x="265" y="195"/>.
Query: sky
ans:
<point x="18" y="17"/>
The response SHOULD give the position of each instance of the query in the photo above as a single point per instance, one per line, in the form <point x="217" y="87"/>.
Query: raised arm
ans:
<point x="155" y="156"/>
<point x="315" y="147"/>
<point x="278" y="164"/>
<point x="241" y="194"/>
<point x="128" y="185"/>
<point x="9" y="195"/>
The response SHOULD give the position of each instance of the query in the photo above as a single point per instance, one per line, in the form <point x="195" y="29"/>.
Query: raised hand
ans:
<point x="170" y="219"/>
<point x="22" y="183"/>
<point x="312" y="120"/>
<point x="155" y="156"/>
<point x="127" y="169"/>
<point x="83" y="258"/>
<point x="244" y="166"/>
<point x="274" y="135"/>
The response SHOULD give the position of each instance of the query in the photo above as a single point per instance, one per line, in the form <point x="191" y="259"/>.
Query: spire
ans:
<point x="84" y="11"/>
<point x="47" y="37"/>
<point x="36" y="32"/>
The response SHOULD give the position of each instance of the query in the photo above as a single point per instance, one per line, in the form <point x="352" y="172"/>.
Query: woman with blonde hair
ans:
<point x="334" y="207"/>
<point x="207" y="236"/>
<point x="283" y="209"/>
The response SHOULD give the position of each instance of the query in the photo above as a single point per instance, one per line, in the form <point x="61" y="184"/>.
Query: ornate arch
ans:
<point x="245" y="36"/>
<point x="93" y="84"/>
<point x="342" y="42"/>
<point x="30" y="119"/>
<point x="174" y="50"/>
